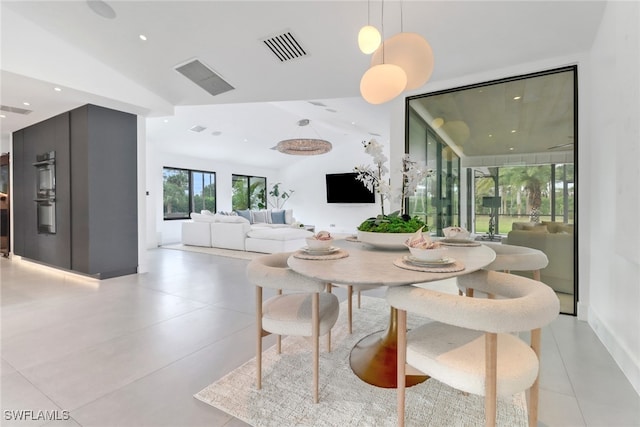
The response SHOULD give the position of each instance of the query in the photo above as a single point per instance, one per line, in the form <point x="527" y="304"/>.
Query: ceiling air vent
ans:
<point x="204" y="77"/>
<point x="14" y="110"/>
<point x="285" y="47"/>
<point x="197" y="128"/>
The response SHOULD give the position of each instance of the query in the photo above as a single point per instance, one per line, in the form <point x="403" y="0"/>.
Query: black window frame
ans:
<point x="248" y="201"/>
<point x="190" y="192"/>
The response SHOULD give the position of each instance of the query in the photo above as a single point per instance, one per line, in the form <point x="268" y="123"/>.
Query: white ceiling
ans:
<point x="103" y="61"/>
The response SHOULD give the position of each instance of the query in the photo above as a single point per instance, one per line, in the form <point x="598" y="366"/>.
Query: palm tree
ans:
<point x="531" y="179"/>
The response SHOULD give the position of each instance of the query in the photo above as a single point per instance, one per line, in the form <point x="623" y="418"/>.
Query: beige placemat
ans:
<point x="455" y="266"/>
<point x="341" y="253"/>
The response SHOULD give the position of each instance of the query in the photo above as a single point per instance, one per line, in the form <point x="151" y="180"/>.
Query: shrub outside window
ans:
<point x="186" y="191"/>
<point x="248" y="192"/>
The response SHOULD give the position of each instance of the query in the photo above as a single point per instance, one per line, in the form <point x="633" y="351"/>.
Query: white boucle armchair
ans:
<point x="307" y="311"/>
<point x="468" y="336"/>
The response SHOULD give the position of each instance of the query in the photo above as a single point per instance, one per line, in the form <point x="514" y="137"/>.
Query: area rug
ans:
<point x="345" y="400"/>
<point x="229" y="253"/>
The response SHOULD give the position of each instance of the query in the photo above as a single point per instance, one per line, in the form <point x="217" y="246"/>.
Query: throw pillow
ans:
<point x="277" y="217"/>
<point x="246" y="214"/>
<point x="232" y="219"/>
<point x="288" y="216"/>
<point x="259" y="217"/>
<point x="206" y="212"/>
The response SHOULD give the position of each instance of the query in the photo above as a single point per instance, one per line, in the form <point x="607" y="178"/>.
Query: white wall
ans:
<point x="307" y="178"/>
<point x="614" y="179"/>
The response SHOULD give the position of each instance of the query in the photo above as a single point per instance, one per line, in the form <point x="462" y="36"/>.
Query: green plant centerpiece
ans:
<point x="393" y="223"/>
<point x="389" y="231"/>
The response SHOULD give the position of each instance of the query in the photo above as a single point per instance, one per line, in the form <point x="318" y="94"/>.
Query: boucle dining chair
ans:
<point x="512" y="258"/>
<point x="470" y="344"/>
<point x="304" y="311"/>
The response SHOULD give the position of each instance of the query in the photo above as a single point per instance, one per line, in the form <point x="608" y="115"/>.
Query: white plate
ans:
<point x="327" y="251"/>
<point x="423" y="263"/>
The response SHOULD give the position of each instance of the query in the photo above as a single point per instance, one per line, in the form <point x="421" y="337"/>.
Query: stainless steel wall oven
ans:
<point x="46" y="192"/>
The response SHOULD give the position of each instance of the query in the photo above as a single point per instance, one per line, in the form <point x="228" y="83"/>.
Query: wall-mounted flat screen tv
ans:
<point x="345" y="188"/>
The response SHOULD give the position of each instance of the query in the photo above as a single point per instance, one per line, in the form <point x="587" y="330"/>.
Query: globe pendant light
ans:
<point x="382" y="83"/>
<point x="412" y="53"/>
<point x="369" y="39"/>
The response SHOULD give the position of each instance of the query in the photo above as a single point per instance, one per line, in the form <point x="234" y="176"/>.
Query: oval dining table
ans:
<point x="373" y="358"/>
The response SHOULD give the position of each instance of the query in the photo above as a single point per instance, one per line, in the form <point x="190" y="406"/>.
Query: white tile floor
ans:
<point x="132" y="351"/>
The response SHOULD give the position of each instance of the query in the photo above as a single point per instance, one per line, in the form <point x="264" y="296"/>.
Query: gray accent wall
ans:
<point x="96" y="191"/>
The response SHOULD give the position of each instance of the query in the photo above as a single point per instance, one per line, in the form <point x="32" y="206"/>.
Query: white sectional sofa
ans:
<point x="236" y="232"/>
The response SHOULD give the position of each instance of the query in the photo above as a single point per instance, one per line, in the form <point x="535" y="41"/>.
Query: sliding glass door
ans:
<point x="504" y="160"/>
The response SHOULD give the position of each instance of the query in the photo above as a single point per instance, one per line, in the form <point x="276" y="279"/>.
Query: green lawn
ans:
<point x="505" y="222"/>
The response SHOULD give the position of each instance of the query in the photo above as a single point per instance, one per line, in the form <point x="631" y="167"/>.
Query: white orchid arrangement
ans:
<point x="374" y="177"/>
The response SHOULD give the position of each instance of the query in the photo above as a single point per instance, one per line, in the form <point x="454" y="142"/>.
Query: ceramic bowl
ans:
<point x="421" y="254"/>
<point x="456" y="233"/>
<point x="318" y="245"/>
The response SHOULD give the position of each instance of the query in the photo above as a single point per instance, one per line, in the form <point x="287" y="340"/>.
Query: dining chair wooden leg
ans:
<point x="359" y="299"/>
<point x="350" y="307"/>
<point x="329" y="289"/>
<point x="534" y="391"/>
<point x="315" y="333"/>
<point x="402" y="364"/>
<point x="469" y="292"/>
<point x="536" y="275"/>
<point x="491" y="379"/>
<point x="258" y="337"/>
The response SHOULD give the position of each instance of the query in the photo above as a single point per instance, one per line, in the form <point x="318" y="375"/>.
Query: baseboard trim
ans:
<point x="622" y="356"/>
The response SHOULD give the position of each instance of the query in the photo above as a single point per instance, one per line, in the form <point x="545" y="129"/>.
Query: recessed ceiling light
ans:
<point x="490" y="135"/>
<point x="513" y="131"/>
<point x="25" y="103"/>
<point x="353" y="123"/>
<point x="2" y="116"/>
<point x="143" y="37"/>
<point x="511" y="148"/>
<point x="166" y="120"/>
<point x="57" y="89"/>
<point x="517" y="97"/>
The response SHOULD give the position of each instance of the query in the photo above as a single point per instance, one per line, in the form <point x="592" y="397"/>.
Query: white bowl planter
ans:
<point x="384" y="240"/>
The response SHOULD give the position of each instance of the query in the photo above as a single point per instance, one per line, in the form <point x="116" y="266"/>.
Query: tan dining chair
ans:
<point x="512" y="258"/>
<point x="304" y="310"/>
<point x="470" y="344"/>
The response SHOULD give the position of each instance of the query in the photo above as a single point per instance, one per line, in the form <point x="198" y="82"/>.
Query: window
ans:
<point x="524" y="193"/>
<point x="249" y="192"/>
<point x="186" y="191"/>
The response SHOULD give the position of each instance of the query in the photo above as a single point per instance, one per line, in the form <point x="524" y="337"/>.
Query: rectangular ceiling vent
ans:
<point x="15" y="110"/>
<point x="285" y="47"/>
<point x="204" y="77"/>
<point x="197" y="128"/>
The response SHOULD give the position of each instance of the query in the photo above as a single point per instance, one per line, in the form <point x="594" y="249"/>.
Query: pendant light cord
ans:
<point x="382" y="29"/>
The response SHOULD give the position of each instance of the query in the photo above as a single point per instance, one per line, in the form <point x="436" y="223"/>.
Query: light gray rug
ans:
<point x="229" y="253"/>
<point x="345" y="400"/>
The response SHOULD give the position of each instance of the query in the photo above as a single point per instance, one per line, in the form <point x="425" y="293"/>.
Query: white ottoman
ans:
<point x="273" y="240"/>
